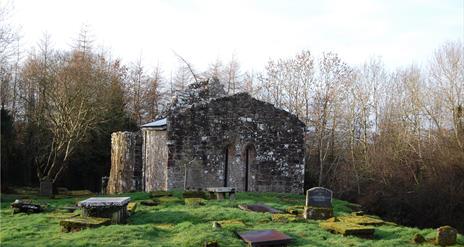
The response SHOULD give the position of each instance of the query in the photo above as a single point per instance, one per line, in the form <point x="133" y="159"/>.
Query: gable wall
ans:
<point x="197" y="137"/>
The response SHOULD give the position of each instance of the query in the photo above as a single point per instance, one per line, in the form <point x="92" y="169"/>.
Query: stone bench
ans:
<point x="220" y="192"/>
<point x="114" y="208"/>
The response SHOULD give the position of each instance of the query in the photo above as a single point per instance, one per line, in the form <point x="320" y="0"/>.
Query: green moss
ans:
<point x="232" y="225"/>
<point x="194" y="202"/>
<point x="346" y="228"/>
<point x="169" y="199"/>
<point x="285" y="218"/>
<point x="175" y="224"/>
<point x="360" y="220"/>
<point x="78" y="193"/>
<point x="131" y="207"/>
<point x="78" y="223"/>
<point x="160" y="193"/>
<point x="195" y="194"/>
<point x="317" y="213"/>
<point x="296" y="210"/>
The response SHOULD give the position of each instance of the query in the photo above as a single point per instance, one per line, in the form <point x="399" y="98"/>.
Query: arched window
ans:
<point x="250" y="157"/>
<point x="229" y="153"/>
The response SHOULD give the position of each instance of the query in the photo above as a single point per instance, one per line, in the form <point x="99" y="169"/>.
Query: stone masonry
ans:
<point x="209" y="139"/>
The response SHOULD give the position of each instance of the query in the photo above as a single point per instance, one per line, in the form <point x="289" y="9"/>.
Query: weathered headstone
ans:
<point x="318" y="204"/>
<point x="104" y="184"/>
<point x="446" y="235"/>
<point x="319" y="197"/>
<point x="47" y="188"/>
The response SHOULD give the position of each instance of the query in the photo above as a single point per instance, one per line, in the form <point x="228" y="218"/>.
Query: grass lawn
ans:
<point x="175" y="224"/>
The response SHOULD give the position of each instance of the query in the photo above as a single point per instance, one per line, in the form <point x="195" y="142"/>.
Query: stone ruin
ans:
<point x="209" y="139"/>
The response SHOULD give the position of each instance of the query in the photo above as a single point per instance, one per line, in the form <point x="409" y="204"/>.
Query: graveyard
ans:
<point x="192" y="123"/>
<point x="168" y="219"/>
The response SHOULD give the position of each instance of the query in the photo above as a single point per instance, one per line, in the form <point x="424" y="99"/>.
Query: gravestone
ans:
<point x="318" y="204"/>
<point x="319" y="197"/>
<point x="104" y="184"/>
<point x="446" y="235"/>
<point x="47" y="188"/>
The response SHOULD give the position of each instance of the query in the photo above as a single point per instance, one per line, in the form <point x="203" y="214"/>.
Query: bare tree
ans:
<point x="447" y="75"/>
<point x="153" y="95"/>
<point x="232" y="76"/>
<point x="137" y="84"/>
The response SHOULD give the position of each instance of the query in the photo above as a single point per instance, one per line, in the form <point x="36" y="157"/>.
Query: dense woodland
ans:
<point x="390" y="139"/>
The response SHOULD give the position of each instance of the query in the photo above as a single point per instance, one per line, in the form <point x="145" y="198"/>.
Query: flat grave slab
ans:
<point x="346" y="228"/>
<point x="265" y="238"/>
<point x="78" y="223"/>
<point x="104" y="202"/>
<point x="259" y="208"/>
<point x="106" y="207"/>
<point x="360" y="220"/>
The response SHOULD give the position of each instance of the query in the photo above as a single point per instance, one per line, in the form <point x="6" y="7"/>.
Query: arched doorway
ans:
<point x="249" y="160"/>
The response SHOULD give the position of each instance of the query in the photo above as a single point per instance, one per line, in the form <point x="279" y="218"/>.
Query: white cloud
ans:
<point x="201" y="31"/>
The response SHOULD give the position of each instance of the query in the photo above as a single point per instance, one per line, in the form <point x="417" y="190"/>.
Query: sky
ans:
<point x="401" y="32"/>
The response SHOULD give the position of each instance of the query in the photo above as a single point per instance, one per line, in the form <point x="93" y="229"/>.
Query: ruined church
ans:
<point x="209" y="139"/>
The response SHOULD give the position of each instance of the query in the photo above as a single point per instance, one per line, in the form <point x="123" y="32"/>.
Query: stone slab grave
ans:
<point x="265" y="238"/>
<point x="75" y="224"/>
<point x="25" y="206"/>
<point x="360" y="220"/>
<point x="261" y="208"/>
<point x="346" y="228"/>
<point x="221" y="192"/>
<point x="318" y="204"/>
<point x="106" y="207"/>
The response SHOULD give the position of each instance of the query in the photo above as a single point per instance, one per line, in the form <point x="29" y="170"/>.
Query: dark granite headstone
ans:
<point x="319" y="197"/>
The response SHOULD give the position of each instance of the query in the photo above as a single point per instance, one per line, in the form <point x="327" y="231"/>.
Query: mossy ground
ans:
<point x="174" y="224"/>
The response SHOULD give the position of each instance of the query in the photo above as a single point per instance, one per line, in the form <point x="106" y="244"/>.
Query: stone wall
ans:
<point x="198" y="135"/>
<point x="155" y="159"/>
<point x="126" y="162"/>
